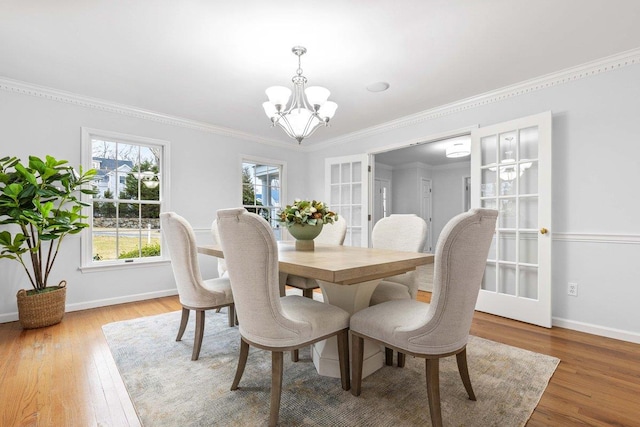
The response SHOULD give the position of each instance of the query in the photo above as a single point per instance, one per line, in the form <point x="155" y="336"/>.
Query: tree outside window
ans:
<point x="126" y="211"/>
<point x="261" y="191"/>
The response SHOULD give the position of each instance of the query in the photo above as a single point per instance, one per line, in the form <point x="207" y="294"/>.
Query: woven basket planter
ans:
<point x="42" y="309"/>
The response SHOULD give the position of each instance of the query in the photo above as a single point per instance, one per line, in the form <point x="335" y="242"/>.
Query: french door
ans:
<point x="511" y="172"/>
<point x="347" y="190"/>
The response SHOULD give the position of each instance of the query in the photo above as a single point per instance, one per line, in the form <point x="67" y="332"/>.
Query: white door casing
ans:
<point x="381" y="199"/>
<point x="347" y="193"/>
<point x="511" y="172"/>
<point x="426" y="211"/>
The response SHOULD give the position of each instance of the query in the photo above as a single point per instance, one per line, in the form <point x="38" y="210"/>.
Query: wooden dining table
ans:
<point x="347" y="276"/>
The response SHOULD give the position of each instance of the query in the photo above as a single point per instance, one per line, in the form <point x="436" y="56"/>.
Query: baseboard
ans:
<point x="602" y="331"/>
<point x="12" y="317"/>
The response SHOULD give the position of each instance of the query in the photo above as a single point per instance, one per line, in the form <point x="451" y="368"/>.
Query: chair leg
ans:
<point x="433" y="391"/>
<point x="242" y="362"/>
<point x="343" y="359"/>
<point x="295" y="355"/>
<point x="357" y="354"/>
<point x="307" y="293"/>
<point x="463" y="368"/>
<point x="388" y="356"/>
<point x="197" y="341"/>
<point x="183" y="323"/>
<point x="401" y="360"/>
<point x="218" y="309"/>
<point x="232" y="315"/>
<point x="276" y="387"/>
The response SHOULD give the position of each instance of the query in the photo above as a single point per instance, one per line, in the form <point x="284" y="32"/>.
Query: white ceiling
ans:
<point x="210" y="61"/>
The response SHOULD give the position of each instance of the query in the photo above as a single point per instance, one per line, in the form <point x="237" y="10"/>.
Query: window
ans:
<point x="262" y="190"/>
<point x="132" y="186"/>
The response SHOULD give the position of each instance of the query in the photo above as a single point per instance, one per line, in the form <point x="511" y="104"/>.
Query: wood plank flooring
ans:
<point x="64" y="375"/>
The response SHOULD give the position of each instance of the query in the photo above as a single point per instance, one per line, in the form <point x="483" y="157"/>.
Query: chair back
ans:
<point x="460" y="260"/>
<point x="402" y="232"/>
<point x="183" y="250"/>
<point x="222" y="264"/>
<point x="333" y="234"/>
<point x="251" y="253"/>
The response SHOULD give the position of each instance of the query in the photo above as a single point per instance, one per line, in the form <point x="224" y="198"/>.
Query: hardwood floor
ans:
<point x="64" y="375"/>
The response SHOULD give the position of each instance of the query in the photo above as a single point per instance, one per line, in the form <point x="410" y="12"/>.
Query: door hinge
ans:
<point x="369" y="217"/>
<point x="369" y="168"/>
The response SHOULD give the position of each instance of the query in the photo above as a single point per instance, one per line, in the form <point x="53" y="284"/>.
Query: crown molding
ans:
<point x="567" y="75"/>
<point x="588" y="69"/>
<point x="25" y="88"/>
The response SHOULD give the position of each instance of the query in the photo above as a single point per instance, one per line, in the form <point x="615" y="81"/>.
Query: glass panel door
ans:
<point x="347" y="189"/>
<point x="511" y="168"/>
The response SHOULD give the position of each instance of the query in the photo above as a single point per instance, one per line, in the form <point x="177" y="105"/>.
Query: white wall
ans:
<point x="447" y="192"/>
<point x="596" y="170"/>
<point x="205" y="176"/>
<point x="404" y="191"/>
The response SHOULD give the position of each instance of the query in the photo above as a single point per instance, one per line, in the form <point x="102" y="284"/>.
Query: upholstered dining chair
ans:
<point x="331" y="234"/>
<point x="267" y="320"/>
<point x="194" y="292"/>
<point x="400" y="232"/>
<point x="441" y="328"/>
<point x="222" y="265"/>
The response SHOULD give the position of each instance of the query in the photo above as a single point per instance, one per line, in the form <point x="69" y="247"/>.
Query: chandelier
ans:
<point x="508" y="168"/>
<point x="304" y="112"/>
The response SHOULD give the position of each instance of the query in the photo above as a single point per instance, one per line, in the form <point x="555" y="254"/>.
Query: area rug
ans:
<point x="168" y="389"/>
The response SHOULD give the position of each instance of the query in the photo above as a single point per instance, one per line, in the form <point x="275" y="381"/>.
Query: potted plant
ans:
<point x="40" y="204"/>
<point x="304" y="220"/>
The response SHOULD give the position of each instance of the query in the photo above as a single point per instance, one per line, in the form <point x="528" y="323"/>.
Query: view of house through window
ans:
<point x="261" y="191"/>
<point x="126" y="210"/>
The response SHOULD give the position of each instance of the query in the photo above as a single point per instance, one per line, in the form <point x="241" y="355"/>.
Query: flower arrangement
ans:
<point x="307" y="212"/>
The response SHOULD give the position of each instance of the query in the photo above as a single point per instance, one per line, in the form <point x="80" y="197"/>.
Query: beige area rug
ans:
<point x="168" y="389"/>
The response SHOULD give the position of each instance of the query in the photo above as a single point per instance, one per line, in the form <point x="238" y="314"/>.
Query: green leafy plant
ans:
<point x="307" y="212"/>
<point x="40" y="203"/>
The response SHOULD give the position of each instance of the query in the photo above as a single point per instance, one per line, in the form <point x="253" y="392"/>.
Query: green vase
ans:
<point x="304" y="235"/>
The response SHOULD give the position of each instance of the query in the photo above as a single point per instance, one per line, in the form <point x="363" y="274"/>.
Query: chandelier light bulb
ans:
<point x="317" y="96"/>
<point x="327" y="110"/>
<point x="278" y="95"/>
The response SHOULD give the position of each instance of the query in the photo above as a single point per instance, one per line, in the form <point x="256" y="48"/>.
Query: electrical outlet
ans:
<point x="573" y="289"/>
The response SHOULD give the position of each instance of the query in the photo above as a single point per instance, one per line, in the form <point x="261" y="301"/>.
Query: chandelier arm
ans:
<point x="286" y="126"/>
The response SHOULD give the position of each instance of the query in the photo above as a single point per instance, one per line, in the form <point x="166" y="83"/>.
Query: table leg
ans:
<point x="351" y="298"/>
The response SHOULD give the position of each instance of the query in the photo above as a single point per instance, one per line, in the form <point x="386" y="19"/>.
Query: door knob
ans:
<point x="543" y="230"/>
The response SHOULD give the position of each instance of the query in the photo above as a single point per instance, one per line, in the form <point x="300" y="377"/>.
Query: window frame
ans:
<point x="283" y="179"/>
<point x="86" y="237"/>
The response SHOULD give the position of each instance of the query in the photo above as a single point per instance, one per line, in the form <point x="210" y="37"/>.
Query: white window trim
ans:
<point x="86" y="262"/>
<point x="246" y="158"/>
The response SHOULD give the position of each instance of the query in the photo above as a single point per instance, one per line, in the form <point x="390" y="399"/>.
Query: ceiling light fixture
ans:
<point x="458" y="148"/>
<point x="378" y="87"/>
<point x="308" y="110"/>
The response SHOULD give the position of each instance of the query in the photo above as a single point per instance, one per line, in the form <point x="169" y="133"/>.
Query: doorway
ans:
<point x="424" y="182"/>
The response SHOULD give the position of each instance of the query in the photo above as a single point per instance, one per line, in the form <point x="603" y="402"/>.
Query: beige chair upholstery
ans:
<point x="441" y="328"/>
<point x="222" y="265"/>
<point x="194" y="292"/>
<point x="400" y="232"/>
<point x="266" y="320"/>
<point x="331" y="234"/>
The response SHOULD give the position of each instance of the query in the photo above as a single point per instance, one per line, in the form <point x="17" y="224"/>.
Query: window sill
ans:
<point x="123" y="265"/>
